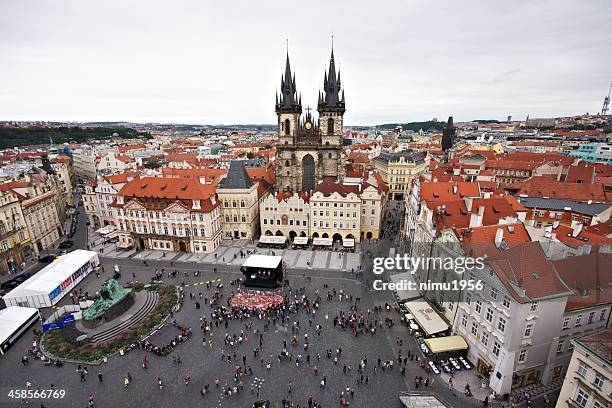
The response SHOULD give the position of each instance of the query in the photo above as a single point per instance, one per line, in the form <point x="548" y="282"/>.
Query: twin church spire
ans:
<point x="331" y="98"/>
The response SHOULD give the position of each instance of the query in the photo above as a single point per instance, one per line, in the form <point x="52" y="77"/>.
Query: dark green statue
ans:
<point x="111" y="293"/>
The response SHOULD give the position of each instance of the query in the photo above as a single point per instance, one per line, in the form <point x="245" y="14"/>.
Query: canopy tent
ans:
<point x="322" y="241"/>
<point x="14" y="321"/>
<point x="446" y="344"/>
<point x="426" y="317"/>
<point x="348" y="243"/>
<point x="272" y="239"/>
<point x="405" y="294"/>
<point x="52" y="282"/>
<point x="422" y="400"/>
<point x="123" y="245"/>
<point x="300" y="241"/>
<point x="107" y="230"/>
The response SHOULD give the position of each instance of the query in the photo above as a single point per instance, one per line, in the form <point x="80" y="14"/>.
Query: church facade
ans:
<point x="309" y="150"/>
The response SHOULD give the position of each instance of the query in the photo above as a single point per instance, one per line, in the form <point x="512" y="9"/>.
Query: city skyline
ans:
<point x="209" y="64"/>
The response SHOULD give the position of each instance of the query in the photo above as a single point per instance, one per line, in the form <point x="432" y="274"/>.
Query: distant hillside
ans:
<point x="414" y="126"/>
<point x="32" y="136"/>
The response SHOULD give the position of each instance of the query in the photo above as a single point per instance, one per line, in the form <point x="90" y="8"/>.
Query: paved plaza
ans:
<point x="309" y="273"/>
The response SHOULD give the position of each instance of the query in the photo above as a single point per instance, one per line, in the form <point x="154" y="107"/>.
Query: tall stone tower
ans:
<point x="309" y="150"/>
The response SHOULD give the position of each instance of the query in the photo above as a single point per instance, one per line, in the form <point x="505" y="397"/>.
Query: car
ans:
<point x="66" y="244"/>
<point x="46" y="259"/>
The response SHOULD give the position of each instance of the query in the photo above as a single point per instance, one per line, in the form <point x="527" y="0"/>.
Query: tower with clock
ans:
<point x="309" y="150"/>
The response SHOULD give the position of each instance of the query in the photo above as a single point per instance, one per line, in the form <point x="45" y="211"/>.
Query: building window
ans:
<point x="501" y="325"/>
<point x="489" y="315"/>
<point x="496" y="347"/>
<point x="478" y="306"/>
<point x="484" y="339"/>
<point x="602" y="314"/>
<point x="566" y="322"/>
<point x="582" y="398"/>
<point x="533" y="307"/>
<point x="464" y="320"/>
<point x="494" y="293"/>
<point x="582" y="369"/>
<point x="560" y="347"/>
<point x="468" y="298"/>
<point x="599" y="381"/>
<point x="591" y="317"/>
<point x="528" y="330"/>
<point x="330" y="126"/>
<point x="578" y="320"/>
<point x="474" y="329"/>
<point x="522" y="356"/>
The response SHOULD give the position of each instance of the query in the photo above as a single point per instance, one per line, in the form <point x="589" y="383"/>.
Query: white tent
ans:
<point x="272" y="239"/>
<point x="322" y="241"/>
<point x="300" y="240"/>
<point x="14" y="321"/>
<point x="426" y="317"/>
<point x="54" y="281"/>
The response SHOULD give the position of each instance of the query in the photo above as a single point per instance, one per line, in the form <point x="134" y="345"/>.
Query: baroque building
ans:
<point x="309" y="150"/>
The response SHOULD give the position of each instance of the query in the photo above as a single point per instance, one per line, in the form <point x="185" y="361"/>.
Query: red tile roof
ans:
<point x="167" y="188"/>
<point x="524" y="267"/>
<point x="564" y="234"/>
<point x="433" y="192"/>
<point x="511" y="164"/>
<point x="123" y="149"/>
<point x="588" y="276"/>
<point x="284" y="195"/>
<point x="544" y="186"/>
<point x="121" y="177"/>
<point x="581" y="173"/>
<point x="481" y="240"/>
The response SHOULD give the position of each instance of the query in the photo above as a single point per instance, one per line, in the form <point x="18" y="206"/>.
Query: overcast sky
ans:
<point x="219" y="62"/>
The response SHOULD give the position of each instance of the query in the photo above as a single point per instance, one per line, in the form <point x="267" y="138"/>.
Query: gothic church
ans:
<point x="309" y="150"/>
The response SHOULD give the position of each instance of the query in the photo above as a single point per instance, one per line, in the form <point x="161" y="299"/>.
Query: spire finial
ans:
<point x="332" y="50"/>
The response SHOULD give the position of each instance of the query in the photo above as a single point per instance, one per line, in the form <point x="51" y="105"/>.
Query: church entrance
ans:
<point x="308" y="173"/>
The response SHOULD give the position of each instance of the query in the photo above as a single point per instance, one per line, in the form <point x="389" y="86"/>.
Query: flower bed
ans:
<point x="256" y="300"/>
<point x="55" y="344"/>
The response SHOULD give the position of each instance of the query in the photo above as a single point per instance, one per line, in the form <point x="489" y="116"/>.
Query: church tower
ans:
<point x="288" y="107"/>
<point x="331" y="106"/>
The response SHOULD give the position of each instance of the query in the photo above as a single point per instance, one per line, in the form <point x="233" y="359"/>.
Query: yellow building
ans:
<point x="240" y="198"/>
<point x="399" y="169"/>
<point x="14" y="237"/>
<point x="345" y="211"/>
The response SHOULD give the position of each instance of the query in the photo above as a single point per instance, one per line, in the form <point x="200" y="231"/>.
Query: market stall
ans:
<point x="426" y="317"/>
<point x="54" y="281"/>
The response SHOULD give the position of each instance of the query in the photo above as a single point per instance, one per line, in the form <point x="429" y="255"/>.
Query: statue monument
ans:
<point x="113" y="301"/>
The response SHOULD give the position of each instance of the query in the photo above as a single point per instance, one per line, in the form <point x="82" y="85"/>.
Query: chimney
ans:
<point x="468" y="203"/>
<point x="577" y="229"/>
<point x="499" y="236"/>
<point x="454" y="189"/>
<point x="202" y="180"/>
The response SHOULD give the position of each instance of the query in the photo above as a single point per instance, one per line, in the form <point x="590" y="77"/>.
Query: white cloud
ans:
<point x="220" y="62"/>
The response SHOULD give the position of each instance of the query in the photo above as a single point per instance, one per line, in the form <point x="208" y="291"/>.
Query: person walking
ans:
<point x="99" y="377"/>
<point x="160" y="385"/>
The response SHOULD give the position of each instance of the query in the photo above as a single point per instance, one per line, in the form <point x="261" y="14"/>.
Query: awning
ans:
<point x="426" y="317"/>
<point x="106" y="230"/>
<point x="348" y="243"/>
<point x="300" y="240"/>
<point x="405" y="294"/>
<point x="123" y="245"/>
<point x="272" y="239"/>
<point x="322" y="241"/>
<point x="446" y="344"/>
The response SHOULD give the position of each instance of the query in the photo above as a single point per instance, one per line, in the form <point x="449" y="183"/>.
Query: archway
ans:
<point x="269" y="233"/>
<point x="325" y="235"/>
<point x="315" y="235"/>
<point x="303" y="234"/>
<point x="182" y="246"/>
<point x="308" y="173"/>
<point x="369" y="235"/>
<point x="141" y="243"/>
<point x="350" y="236"/>
<point x="292" y="234"/>
<point x="337" y="237"/>
<point x="279" y="233"/>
